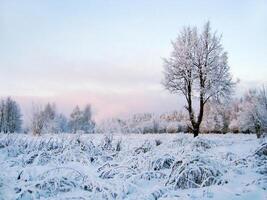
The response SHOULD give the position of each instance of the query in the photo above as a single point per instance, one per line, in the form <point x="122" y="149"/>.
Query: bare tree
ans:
<point x="198" y="69"/>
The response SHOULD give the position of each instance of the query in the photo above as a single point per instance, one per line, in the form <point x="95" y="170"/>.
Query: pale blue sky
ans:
<point x="107" y="52"/>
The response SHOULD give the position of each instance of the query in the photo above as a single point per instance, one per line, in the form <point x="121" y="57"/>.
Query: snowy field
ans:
<point x="136" y="167"/>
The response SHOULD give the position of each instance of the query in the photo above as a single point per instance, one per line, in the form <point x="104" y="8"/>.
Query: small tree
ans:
<point x="198" y="69"/>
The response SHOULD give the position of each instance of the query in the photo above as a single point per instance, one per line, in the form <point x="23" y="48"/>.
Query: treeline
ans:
<point x="44" y="120"/>
<point x="47" y="120"/>
<point x="247" y="114"/>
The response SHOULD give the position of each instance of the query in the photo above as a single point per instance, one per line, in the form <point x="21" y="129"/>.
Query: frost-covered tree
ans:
<point x="76" y="119"/>
<point x="216" y="117"/>
<point x="2" y="118"/>
<point x="37" y="120"/>
<point x="61" y="124"/>
<point x="113" y="125"/>
<point x="47" y="120"/>
<point x="81" y="120"/>
<point x="10" y="116"/>
<point x="49" y="115"/>
<point x="262" y="107"/>
<point x="253" y="116"/>
<point x="50" y="111"/>
<point x="87" y="123"/>
<point x="198" y="69"/>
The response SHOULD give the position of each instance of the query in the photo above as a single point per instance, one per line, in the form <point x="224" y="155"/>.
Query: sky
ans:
<point x="109" y="53"/>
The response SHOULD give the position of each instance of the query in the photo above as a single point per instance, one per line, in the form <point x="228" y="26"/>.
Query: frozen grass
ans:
<point x="162" y="166"/>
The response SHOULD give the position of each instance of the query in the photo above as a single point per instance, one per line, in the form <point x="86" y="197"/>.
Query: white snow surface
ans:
<point x="132" y="166"/>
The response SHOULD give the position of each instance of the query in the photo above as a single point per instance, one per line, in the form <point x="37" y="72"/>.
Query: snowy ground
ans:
<point x="133" y="167"/>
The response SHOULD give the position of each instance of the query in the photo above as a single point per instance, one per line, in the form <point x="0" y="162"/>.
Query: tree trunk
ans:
<point x="196" y="131"/>
<point x="196" y="124"/>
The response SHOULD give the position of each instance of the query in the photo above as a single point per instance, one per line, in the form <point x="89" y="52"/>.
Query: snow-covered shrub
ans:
<point x="108" y="171"/>
<point x="118" y="145"/>
<point x="64" y="167"/>
<point x="48" y="183"/>
<point x="55" y="182"/>
<point x="181" y="141"/>
<point x="96" y="190"/>
<point x="194" y="173"/>
<point x="107" y="142"/>
<point x="152" y="175"/>
<point x="158" y="142"/>
<point x="200" y="144"/>
<point x="229" y="156"/>
<point x="164" y="162"/>
<point x="260" y="156"/>
<point x="262" y="182"/>
<point x="262" y="150"/>
<point x="144" y="148"/>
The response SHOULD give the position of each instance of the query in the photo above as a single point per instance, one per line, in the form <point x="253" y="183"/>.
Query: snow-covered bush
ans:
<point x="200" y="144"/>
<point x="146" y="146"/>
<point x="111" y="170"/>
<point x="158" y="142"/>
<point x="194" y="173"/>
<point x="164" y="162"/>
<point x="67" y="166"/>
<point x="107" y="141"/>
<point x="152" y="175"/>
<point x="262" y="150"/>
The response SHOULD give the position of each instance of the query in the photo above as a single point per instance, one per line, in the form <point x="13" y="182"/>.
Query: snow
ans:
<point x="132" y="166"/>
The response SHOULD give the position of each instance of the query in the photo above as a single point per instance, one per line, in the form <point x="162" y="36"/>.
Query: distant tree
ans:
<point x="50" y="111"/>
<point x="87" y="123"/>
<point x="2" y="117"/>
<point x="49" y="115"/>
<point x="62" y="124"/>
<point x="10" y="116"/>
<point x="76" y="119"/>
<point x="81" y="120"/>
<point x="37" y="120"/>
<point x="47" y="120"/>
<point x="253" y="116"/>
<point x="216" y="117"/>
<point x="198" y="69"/>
